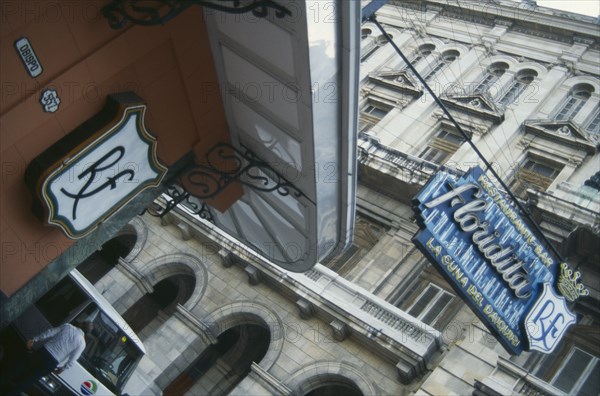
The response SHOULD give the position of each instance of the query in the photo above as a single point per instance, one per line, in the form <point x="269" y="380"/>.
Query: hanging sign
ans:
<point x="88" y="175"/>
<point x="475" y="238"/>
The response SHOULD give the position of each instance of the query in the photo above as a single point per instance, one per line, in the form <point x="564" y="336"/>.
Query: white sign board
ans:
<point x="88" y="186"/>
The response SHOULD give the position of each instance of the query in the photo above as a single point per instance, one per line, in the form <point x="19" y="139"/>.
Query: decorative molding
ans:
<point x="339" y="330"/>
<point x="311" y="376"/>
<point x="434" y="8"/>
<point x="402" y="81"/>
<point x="583" y="40"/>
<point x="508" y="378"/>
<point x="178" y="264"/>
<point x="402" y="337"/>
<point x="273" y="385"/>
<point x="480" y="105"/>
<point x="186" y="232"/>
<point x="254" y="275"/>
<point x="136" y="276"/>
<point x="227" y="258"/>
<point x="575" y="162"/>
<point x="306" y="308"/>
<point x="567" y="133"/>
<point x="196" y="325"/>
<point x="244" y="312"/>
<point x="420" y="30"/>
<point x="504" y="22"/>
<point x="138" y="228"/>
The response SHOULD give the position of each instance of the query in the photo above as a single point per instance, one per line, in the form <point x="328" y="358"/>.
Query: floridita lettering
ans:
<point x="450" y="265"/>
<point x="474" y="293"/>
<point x="501" y="325"/>
<point x="506" y="263"/>
<point x="515" y="219"/>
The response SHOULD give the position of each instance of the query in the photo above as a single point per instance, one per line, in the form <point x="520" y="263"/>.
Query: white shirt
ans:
<point x="64" y="343"/>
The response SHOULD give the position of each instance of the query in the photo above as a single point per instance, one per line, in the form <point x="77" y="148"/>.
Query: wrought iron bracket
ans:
<point x="177" y="195"/>
<point x="158" y="12"/>
<point x="225" y="164"/>
<point x="222" y="166"/>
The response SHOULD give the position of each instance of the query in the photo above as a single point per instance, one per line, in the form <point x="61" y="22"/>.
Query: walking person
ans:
<point x="61" y="347"/>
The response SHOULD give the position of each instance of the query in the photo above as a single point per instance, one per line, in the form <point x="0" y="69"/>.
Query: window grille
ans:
<point x="575" y="101"/>
<point x="371" y="114"/>
<point x="518" y="85"/>
<point x="533" y="174"/>
<point x="430" y="304"/>
<point x="441" y="147"/>
<point x="493" y="73"/>
<point x="447" y="58"/>
<point x="594" y="125"/>
<point x="579" y="374"/>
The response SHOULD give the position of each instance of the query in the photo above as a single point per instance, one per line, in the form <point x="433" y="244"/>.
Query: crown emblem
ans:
<point x="569" y="284"/>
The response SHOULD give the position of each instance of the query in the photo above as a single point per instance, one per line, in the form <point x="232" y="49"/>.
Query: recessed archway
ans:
<point x="107" y="257"/>
<point x="163" y="283"/>
<point x="328" y="378"/>
<point x="222" y="366"/>
<point x="163" y="300"/>
<point x="246" y="332"/>
<point x="335" y="387"/>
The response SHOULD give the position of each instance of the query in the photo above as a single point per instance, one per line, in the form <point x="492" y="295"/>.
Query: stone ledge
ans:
<point x="268" y="381"/>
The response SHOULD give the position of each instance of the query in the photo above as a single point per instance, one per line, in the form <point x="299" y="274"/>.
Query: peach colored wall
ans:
<point x="85" y="60"/>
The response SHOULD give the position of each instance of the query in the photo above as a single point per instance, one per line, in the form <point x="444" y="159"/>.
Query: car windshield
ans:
<point x="109" y="353"/>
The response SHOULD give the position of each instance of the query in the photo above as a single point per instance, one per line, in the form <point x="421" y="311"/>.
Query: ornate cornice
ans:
<point x="401" y="81"/>
<point x="480" y="105"/>
<point x="528" y="19"/>
<point x="567" y="133"/>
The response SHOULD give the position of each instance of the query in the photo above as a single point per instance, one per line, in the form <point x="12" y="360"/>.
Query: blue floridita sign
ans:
<point x="475" y="237"/>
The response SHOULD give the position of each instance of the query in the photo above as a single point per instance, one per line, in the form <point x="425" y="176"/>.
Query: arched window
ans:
<point x="492" y="74"/>
<point x="444" y="60"/>
<point x="421" y="52"/>
<point x="370" y="44"/>
<point x="579" y="94"/>
<point x="518" y="85"/>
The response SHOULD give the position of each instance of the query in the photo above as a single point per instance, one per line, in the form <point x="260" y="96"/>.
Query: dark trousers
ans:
<point x="25" y="372"/>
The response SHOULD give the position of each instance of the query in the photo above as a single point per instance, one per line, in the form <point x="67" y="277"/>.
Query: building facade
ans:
<point x="217" y="317"/>
<point x="378" y="318"/>
<point x="526" y="94"/>
<point x="89" y="87"/>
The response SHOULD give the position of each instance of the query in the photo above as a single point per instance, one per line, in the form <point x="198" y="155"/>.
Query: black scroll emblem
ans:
<point x="92" y="171"/>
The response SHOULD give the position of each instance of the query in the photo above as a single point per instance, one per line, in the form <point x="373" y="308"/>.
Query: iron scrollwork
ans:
<point x="225" y="164"/>
<point x="177" y="195"/>
<point x="158" y="12"/>
<point x="222" y="166"/>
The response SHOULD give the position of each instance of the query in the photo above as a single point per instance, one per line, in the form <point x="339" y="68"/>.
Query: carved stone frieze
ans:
<point x="480" y="105"/>
<point x="567" y="133"/>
